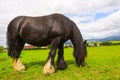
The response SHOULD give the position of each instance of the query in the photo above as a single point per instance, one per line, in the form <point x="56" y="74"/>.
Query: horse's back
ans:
<point x="42" y="26"/>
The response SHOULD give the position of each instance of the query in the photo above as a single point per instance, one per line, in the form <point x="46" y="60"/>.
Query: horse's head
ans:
<point x="80" y="60"/>
<point x="84" y="53"/>
<point x="85" y="48"/>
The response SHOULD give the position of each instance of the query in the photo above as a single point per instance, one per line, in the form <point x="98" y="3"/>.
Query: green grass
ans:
<point x="103" y="63"/>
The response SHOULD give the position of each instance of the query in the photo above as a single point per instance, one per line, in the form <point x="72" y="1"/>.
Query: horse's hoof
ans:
<point x="48" y="70"/>
<point x="62" y="66"/>
<point x="18" y="66"/>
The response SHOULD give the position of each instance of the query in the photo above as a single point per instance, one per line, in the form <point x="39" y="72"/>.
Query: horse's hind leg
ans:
<point x="17" y="64"/>
<point x="15" y="45"/>
<point x="61" y="64"/>
<point x="49" y="65"/>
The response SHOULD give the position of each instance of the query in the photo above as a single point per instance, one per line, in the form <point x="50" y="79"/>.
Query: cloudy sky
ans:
<point x="95" y="18"/>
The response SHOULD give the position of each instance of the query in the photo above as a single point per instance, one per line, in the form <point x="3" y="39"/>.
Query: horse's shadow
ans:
<point x="42" y="63"/>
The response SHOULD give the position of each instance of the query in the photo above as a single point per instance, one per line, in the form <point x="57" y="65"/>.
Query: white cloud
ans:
<point x="83" y="7"/>
<point x="78" y="19"/>
<point x="41" y="7"/>
<point x="105" y="27"/>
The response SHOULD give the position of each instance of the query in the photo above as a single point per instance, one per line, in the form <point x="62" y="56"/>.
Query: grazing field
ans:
<point x="103" y="63"/>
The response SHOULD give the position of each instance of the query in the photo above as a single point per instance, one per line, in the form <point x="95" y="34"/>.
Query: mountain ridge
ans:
<point x="111" y="38"/>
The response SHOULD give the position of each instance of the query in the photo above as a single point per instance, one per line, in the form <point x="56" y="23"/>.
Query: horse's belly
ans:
<point x="40" y="42"/>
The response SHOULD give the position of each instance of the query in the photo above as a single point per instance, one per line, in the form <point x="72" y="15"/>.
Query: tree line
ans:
<point x="107" y="43"/>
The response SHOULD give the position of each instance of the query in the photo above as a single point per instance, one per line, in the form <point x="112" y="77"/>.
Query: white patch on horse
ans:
<point x="48" y="68"/>
<point x="17" y="65"/>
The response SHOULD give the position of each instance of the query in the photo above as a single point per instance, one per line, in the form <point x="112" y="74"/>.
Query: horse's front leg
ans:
<point x="61" y="64"/>
<point x="49" y="65"/>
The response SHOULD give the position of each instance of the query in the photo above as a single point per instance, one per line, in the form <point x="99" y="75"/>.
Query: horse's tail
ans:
<point x="80" y="51"/>
<point x="14" y="41"/>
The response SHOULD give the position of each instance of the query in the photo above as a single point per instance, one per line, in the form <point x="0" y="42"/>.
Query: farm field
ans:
<point x="103" y="63"/>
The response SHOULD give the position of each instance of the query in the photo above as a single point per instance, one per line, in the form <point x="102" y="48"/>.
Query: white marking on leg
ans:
<point x="48" y="68"/>
<point x="17" y="65"/>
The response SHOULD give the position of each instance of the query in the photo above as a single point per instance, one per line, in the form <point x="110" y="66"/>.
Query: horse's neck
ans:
<point x="77" y="38"/>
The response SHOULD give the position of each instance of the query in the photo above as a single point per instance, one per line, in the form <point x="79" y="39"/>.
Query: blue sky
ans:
<point x="94" y="18"/>
<point x="100" y="15"/>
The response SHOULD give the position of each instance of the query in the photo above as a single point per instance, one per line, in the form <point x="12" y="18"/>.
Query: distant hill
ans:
<point x="112" y="38"/>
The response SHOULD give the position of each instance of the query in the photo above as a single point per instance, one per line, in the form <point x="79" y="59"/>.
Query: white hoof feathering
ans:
<point x="48" y="68"/>
<point x="17" y="65"/>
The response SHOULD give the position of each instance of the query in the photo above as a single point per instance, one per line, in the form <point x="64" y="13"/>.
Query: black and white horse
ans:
<point x="54" y="29"/>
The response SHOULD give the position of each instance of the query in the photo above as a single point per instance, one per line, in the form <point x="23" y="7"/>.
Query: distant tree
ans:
<point x="1" y="48"/>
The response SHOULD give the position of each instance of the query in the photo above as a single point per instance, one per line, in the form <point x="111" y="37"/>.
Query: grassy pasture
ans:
<point x="103" y="63"/>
